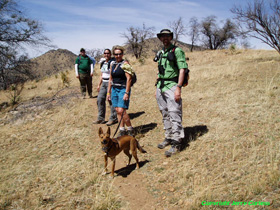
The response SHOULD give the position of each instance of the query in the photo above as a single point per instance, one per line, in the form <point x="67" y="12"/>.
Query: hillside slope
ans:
<point x="53" y="61"/>
<point x="51" y="157"/>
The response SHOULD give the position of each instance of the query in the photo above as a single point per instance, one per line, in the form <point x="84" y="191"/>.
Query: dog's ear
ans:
<point x="100" y="131"/>
<point x="108" y="131"/>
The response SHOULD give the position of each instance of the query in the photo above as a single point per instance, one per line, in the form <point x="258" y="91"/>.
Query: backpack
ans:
<point x="109" y="62"/>
<point x="133" y="75"/>
<point x="172" y="57"/>
<point x="134" y="79"/>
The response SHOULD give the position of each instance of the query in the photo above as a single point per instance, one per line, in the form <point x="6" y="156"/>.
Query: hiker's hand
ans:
<point x="177" y="94"/>
<point x="78" y="77"/>
<point x="125" y="97"/>
<point x="91" y="75"/>
<point x="98" y="88"/>
<point x="108" y="97"/>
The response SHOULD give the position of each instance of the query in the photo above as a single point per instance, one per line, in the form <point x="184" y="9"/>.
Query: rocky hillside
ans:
<point x="53" y="61"/>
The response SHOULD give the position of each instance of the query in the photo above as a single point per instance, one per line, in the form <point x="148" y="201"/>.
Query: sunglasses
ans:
<point x="117" y="54"/>
<point x="107" y="53"/>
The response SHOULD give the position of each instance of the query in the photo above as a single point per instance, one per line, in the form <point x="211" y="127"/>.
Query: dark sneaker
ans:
<point x="98" y="122"/>
<point x="175" y="148"/>
<point x="111" y="122"/>
<point x="121" y="133"/>
<point x="165" y="143"/>
<point x="130" y="132"/>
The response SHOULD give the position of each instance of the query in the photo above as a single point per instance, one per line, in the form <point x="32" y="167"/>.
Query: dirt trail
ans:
<point x="134" y="191"/>
<point x="131" y="183"/>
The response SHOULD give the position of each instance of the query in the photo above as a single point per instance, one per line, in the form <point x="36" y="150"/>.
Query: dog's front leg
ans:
<point x="106" y="163"/>
<point x="113" y="166"/>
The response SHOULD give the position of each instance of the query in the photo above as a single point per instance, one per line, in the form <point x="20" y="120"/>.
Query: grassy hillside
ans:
<point x="51" y="157"/>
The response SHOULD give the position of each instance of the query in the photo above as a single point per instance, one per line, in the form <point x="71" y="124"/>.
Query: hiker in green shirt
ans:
<point x="172" y="65"/>
<point x="84" y="68"/>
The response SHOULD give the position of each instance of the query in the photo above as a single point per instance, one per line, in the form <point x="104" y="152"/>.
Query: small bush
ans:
<point x="232" y="48"/>
<point x="65" y="79"/>
<point x="15" y="91"/>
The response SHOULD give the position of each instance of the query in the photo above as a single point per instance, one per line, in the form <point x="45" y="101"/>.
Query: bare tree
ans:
<point x="16" y="30"/>
<point x="178" y="29"/>
<point x="261" y="20"/>
<point x="96" y="53"/>
<point x="215" y="37"/>
<point x="136" y="38"/>
<point x="194" y="31"/>
<point x="14" y="69"/>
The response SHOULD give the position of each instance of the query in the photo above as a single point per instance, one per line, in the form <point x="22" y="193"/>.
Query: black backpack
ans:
<point x="172" y="57"/>
<point x="109" y="63"/>
<point x="133" y="77"/>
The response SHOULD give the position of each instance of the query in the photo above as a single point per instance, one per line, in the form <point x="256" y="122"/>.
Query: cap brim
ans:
<point x="159" y="35"/>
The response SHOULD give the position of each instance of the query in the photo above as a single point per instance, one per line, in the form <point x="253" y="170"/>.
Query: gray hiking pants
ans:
<point x="171" y="114"/>
<point x="101" y="103"/>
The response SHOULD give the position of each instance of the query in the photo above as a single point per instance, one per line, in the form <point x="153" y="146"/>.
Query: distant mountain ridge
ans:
<point x="52" y="62"/>
<point x="55" y="61"/>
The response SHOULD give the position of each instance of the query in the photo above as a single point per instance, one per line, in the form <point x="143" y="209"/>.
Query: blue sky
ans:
<point x="99" y="23"/>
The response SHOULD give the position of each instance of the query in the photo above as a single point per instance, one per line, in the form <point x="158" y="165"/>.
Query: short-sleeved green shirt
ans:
<point x="171" y="70"/>
<point x="84" y="65"/>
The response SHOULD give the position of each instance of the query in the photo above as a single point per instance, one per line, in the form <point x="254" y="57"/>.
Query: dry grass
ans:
<point x="50" y="156"/>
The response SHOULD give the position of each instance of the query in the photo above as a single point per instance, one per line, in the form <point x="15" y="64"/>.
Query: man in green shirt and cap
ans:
<point x="84" y="68"/>
<point x="172" y="65"/>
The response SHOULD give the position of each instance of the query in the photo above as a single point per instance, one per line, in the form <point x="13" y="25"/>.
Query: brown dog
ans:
<point x="112" y="147"/>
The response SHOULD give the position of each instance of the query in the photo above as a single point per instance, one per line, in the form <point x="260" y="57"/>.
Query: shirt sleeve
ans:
<point x="181" y="59"/>
<point x="91" y="68"/>
<point x="93" y="62"/>
<point x="77" y="59"/>
<point x="76" y="69"/>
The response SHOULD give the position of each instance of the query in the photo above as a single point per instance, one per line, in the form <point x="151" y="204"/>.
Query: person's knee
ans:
<point x="101" y="100"/>
<point x="120" y="110"/>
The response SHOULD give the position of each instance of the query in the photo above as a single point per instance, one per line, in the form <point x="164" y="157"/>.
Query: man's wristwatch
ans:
<point x="179" y="86"/>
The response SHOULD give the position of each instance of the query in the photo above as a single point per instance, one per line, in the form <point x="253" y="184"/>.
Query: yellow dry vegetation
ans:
<point x="50" y="155"/>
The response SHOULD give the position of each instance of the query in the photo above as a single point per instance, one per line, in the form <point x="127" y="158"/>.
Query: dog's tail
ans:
<point x="140" y="148"/>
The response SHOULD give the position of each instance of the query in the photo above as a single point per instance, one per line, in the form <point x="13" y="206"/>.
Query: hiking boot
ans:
<point x="121" y="133"/>
<point x="130" y="132"/>
<point x="165" y="143"/>
<point x="111" y="122"/>
<point x="98" y="122"/>
<point x="175" y="148"/>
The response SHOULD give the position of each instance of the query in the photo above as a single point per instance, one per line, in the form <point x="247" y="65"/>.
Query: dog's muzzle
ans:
<point x="105" y="149"/>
